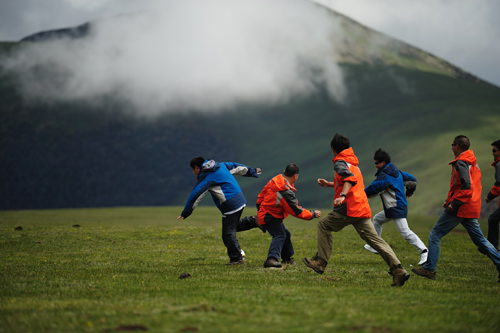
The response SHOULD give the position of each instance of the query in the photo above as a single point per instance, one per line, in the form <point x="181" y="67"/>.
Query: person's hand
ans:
<point x="450" y="208"/>
<point x="317" y="213"/>
<point x="259" y="171"/>
<point x="487" y="200"/>
<point x="338" y="201"/>
<point x="444" y="204"/>
<point x="180" y="218"/>
<point x="322" y="182"/>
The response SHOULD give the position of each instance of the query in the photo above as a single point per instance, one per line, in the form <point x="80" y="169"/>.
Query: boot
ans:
<point x="399" y="276"/>
<point x="316" y="263"/>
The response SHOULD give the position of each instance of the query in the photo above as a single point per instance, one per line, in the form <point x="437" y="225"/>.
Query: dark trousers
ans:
<point x="493" y="230"/>
<point x="230" y="225"/>
<point x="281" y="245"/>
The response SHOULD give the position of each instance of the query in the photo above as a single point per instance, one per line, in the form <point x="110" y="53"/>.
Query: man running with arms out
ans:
<point x="274" y="203"/>
<point x="217" y="178"/>
<point x="350" y="208"/>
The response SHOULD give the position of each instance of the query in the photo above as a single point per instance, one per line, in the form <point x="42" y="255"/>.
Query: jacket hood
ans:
<point x="389" y="169"/>
<point x="496" y="162"/>
<point x="467" y="156"/>
<point x="348" y="156"/>
<point x="210" y="165"/>
<point x="279" y="183"/>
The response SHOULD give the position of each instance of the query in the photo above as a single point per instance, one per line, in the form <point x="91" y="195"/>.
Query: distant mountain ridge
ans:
<point x="402" y="99"/>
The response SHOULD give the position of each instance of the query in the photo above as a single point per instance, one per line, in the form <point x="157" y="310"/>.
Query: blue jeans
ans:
<point x="448" y="222"/>
<point x="493" y="221"/>
<point x="281" y="245"/>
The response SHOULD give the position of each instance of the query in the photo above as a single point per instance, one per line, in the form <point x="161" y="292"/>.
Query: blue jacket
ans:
<point x="217" y="178"/>
<point x="390" y="185"/>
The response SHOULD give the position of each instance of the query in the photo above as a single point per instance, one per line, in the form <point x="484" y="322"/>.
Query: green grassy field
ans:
<point x="99" y="270"/>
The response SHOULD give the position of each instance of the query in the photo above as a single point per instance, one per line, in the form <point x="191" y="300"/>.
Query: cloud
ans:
<point x="463" y="32"/>
<point x="196" y="55"/>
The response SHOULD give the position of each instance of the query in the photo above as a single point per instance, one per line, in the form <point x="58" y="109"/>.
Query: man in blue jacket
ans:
<point x="217" y="178"/>
<point x="390" y="185"/>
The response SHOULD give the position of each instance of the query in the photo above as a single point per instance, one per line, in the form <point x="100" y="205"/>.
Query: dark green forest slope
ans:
<point x="405" y="101"/>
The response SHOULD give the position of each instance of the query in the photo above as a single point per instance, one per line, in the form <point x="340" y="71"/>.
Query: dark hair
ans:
<point x="382" y="156"/>
<point x="196" y="161"/>
<point x="340" y="142"/>
<point x="291" y="170"/>
<point x="496" y="144"/>
<point x="462" y="141"/>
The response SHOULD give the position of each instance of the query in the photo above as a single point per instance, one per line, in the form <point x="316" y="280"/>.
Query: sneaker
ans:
<point x="271" y="262"/>
<point x="256" y="224"/>
<point x="424" y="272"/>
<point x="239" y="262"/>
<point x="288" y="262"/>
<point x="371" y="249"/>
<point x="423" y="257"/>
<point x="316" y="263"/>
<point x="399" y="277"/>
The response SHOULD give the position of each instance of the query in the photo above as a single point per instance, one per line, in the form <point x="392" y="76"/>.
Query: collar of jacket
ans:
<point x="496" y="161"/>
<point x="348" y="156"/>
<point x="467" y="156"/>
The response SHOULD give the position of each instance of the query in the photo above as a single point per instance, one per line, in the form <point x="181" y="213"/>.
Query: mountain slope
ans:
<point x="399" y="98"/>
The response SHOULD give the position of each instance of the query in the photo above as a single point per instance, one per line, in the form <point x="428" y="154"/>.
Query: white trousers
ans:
<point x="379" y="219"/>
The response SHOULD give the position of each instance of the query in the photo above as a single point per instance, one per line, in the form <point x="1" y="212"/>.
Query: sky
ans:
<point x="206" y="46"/>
<point x="463" y="32"/>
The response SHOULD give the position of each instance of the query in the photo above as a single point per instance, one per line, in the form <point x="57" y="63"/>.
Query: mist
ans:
<point x="202" y="55"/>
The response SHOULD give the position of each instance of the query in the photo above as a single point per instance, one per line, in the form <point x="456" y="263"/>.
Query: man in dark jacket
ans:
<point x="390" y="185"/>
<point x="217" y="178"/>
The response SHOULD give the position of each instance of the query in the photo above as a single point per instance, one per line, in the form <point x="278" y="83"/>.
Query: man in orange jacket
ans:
<point x="275" y="202"/>
<point x="350" y="208"/>
<point x="463" y="205"/>
<point x="494" y="218"/>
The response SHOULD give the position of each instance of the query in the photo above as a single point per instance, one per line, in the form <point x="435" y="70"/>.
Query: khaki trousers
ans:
<point x="335" y="221"/>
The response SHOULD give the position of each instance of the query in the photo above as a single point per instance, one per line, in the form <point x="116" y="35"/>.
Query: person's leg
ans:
<point x="410" y="236"/>
<point x="229" y="227"/>
<point x="247" y="223"/>
<point x="287" y="251"/>
<point x="445" y="223"/>
<point x="367" y="232"/>
<point x="277" y="231"/>
<point x="378" y="220"/>
<point x="475" y="233"/>
<point x="333" y="221"/>
<point x="493" y="227"/>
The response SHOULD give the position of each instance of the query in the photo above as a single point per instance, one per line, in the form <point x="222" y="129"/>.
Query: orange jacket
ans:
<point x="465" y="186"/>
<point x="278" y="199"/>
<point x="495" y="190"/>
<point x="346" y="170"/>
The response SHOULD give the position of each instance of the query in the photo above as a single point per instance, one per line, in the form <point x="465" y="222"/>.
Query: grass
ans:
<point x="119" y="270"/>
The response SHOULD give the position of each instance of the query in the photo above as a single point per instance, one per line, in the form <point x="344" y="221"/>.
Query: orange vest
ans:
<point x="356" y="201"/>
<point x="465" y="186"/>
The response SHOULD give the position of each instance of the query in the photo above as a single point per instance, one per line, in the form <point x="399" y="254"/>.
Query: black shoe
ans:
<point x="239" y="262"/>
<point x="256" y="224"/>
<point x="288" y="262"/>
<point x="271" y="262"/>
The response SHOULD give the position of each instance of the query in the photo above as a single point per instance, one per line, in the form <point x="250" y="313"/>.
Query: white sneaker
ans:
<point x="423" y="258"/>
<point x="243" y="254"/>
<point x="371" y="249"/>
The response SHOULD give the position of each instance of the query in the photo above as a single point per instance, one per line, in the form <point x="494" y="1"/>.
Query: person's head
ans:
<point x="496" y="149"/>
<point x="381" y="158"/>
<point x="196" y="163"/>
<point x="339" y="143"/>
<point x="460" y="144"/>
<point x="291" y="172"/>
